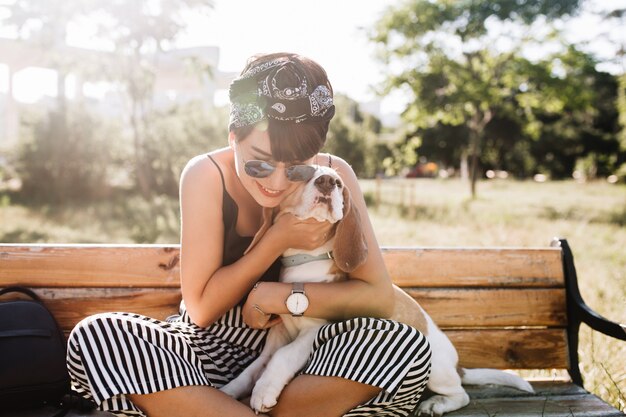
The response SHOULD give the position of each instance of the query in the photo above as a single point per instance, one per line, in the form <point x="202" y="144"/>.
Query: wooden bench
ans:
<point x="508" y="308"/>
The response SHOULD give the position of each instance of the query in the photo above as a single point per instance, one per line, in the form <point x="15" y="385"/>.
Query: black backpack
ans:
<point x="33" y="370"/>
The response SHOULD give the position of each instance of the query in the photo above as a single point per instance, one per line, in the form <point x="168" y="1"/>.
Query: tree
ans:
<point x="137" y="31"/>
<point x="447" y="65"/>
<point x="619" y="16"/>
<point x="45" y="23"/>
<point x="177" y="133"/>
<point x="68" y="157"/>
<point x="353" y="136"/>
<point x="583" y="122"/>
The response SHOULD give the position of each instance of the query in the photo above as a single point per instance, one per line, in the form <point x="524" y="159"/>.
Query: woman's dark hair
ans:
<point x="292" y="141"/>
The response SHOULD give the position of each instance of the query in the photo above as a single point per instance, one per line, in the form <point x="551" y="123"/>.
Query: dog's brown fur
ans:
<point x="408" y="311"/>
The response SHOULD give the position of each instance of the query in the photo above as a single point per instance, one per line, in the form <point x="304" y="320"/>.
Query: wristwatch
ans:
<point x="297" y="302"/>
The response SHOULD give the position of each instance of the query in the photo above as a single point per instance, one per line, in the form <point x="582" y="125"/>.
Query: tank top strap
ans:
<point x="220" y="171"/>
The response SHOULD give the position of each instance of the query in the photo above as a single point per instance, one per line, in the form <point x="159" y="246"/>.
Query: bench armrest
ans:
<point x="579" y="312"/>
<point x="599" y="323"/>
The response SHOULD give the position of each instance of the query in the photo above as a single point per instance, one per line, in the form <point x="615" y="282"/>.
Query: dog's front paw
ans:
<point x="264" y="397"/>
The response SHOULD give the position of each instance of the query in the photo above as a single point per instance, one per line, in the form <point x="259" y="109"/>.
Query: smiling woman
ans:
<point x="281" y="106"/>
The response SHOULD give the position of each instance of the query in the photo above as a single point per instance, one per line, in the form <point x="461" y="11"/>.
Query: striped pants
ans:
<point x="114" y="354"/>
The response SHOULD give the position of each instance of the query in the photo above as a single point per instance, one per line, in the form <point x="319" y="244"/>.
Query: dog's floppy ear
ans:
<point x="349" y="247"/>
<point x="268" y="217"/>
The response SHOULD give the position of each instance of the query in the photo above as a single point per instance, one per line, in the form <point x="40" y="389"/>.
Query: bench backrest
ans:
<point x="501" y="307"/>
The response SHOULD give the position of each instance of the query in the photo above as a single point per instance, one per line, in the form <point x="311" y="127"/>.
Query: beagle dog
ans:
<point x="288" y="344"/>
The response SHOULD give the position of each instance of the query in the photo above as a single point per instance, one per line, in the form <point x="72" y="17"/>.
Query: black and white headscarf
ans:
<point x="259" y="94"/>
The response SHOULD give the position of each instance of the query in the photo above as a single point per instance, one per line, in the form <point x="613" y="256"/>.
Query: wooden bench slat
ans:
<point x="480" y="308"/>
<point x="493" y="348"/>
<point x="71" y="305"/>
<point x="511" y="348"/>
<point x="444" y="267"/>
<point x="493" y="308"/>
<point x="90" y="265"/>
<point x="157" y="265"/>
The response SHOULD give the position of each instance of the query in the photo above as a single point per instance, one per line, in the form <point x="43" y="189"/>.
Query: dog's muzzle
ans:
<point x="325" y="184"/>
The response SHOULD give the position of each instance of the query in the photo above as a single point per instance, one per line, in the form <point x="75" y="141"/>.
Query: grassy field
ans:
<point x="592" y="216"/>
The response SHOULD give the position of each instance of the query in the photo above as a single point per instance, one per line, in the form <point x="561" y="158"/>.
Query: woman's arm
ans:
<point x="368" y="292"/>
<point x="210" y="290"/>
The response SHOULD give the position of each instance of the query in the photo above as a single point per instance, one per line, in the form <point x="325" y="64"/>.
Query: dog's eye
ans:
<point x="339" y="185"/>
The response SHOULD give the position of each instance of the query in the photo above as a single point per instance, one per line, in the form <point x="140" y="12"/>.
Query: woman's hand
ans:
<point x="296" y="233"/>
<point x="253" y="314"/>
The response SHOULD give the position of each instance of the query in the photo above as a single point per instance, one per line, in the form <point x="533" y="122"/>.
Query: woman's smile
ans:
<point x="269" y="192"/>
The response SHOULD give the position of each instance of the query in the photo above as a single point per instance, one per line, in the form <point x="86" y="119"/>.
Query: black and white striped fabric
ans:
<point x="111" y="355"/>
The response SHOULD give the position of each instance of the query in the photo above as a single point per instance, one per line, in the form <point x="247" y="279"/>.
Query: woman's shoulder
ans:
<point x="205" y="171"/>
<point x="204" y="166"/>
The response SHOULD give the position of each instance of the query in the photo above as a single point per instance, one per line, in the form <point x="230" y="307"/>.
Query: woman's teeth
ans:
<point x="267" y="190"/>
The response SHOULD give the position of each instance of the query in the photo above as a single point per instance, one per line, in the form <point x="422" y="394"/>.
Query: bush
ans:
<point x="66" y="156"/>
<point x="175" y="136"/>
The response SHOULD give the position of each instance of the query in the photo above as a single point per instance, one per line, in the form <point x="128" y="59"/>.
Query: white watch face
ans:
<point x="297" y="303"/>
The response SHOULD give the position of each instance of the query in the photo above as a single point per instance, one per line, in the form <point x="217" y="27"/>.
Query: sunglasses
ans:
<point x="294" y="173"/>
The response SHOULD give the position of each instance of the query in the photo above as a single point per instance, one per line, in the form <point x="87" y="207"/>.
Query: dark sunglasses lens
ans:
<point x="300" y="172"/>
<point x="259" y="169"/>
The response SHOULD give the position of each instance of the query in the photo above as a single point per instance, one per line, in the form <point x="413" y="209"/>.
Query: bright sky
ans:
<point x="325" y="30"/>
<point x="328" y="31"/>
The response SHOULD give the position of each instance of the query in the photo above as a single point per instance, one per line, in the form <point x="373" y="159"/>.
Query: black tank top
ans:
<point x="234" y="244"/>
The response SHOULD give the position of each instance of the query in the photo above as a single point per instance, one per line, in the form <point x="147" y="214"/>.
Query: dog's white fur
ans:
<point x="288" y="344"/>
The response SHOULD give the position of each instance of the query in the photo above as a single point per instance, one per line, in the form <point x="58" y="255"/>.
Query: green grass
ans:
<point x="126" y="220"/>
<point x="591" y="216"/>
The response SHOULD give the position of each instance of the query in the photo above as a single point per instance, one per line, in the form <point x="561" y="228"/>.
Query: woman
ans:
<point x="281" y="106"/>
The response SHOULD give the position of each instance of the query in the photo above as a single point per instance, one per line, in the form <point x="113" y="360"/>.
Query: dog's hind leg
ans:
<point x="242" y="385"/>
<point x="444" y="380"/>
<point x="450" y="394"/>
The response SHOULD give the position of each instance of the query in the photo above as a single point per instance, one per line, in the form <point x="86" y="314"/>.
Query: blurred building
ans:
<point x="181" y="75"/>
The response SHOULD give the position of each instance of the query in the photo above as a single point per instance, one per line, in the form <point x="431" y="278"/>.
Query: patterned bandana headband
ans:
<point x="262" y="93"/>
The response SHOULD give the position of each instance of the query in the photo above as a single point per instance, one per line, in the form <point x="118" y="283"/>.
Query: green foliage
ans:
<point x="403" y="155"/>
<point x="466" y="19"/>
<point x="125" y="24"/>
<point x="621" y="106"/>
<point x="88" y="158"/>
<point x="147" y="24"/>
<point x="67" y="156"/>
<point x="148" y="221"/>
<point x="174" y="136"/>
<point x="621" y="173"/>
<point x="353" y="136"/>
<point x="584" y="122"/>
<point x="136" y="32"/>
<point x="516" y="114"/>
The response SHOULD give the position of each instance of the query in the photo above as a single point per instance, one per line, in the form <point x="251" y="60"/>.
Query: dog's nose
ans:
<point x="325" y="184"/>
